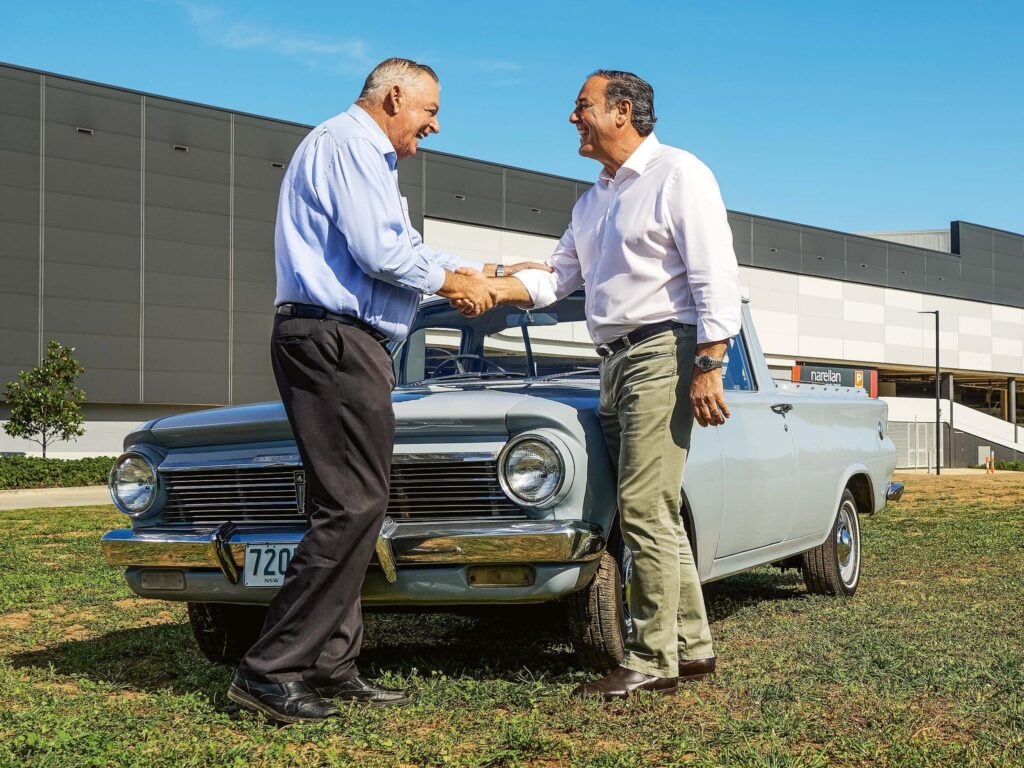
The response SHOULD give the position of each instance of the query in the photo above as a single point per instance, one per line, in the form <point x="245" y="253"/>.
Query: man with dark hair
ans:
<point x="651" y="244"/>
<point x="350" y="273"/>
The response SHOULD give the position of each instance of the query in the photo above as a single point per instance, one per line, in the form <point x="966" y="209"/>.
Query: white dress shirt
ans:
<point x="649" y="245"/>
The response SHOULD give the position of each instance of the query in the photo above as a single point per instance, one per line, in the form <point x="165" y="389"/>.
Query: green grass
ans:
<point x="924" y="667"/>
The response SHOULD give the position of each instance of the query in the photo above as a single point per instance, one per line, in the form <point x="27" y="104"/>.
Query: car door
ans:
<point x="761" y="483"/>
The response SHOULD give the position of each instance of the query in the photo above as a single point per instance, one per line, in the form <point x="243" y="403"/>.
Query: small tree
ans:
<point x="45" y="403"/>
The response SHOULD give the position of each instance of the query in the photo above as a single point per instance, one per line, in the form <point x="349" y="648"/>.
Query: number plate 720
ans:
<point x="265" y="564"/>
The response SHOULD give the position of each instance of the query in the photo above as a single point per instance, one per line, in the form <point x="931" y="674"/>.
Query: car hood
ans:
<point x="465" y="410"/>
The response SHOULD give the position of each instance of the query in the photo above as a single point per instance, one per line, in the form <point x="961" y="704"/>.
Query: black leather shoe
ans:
<point x="291" y="702"/>
<point x="621" y="682"/>
<point x="697" y="669"/>
<point x="362" y="691"/>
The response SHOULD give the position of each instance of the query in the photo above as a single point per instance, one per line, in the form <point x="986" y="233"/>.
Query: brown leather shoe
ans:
<point x="697" y="669"/>
<point x="621" y="682"/>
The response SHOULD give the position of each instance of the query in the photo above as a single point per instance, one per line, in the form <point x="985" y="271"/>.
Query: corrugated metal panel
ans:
<point x="932" y="239"/>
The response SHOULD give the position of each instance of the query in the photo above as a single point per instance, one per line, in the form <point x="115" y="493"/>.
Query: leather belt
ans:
<point x="636" y="336"/>
<point x="312" y="311"/>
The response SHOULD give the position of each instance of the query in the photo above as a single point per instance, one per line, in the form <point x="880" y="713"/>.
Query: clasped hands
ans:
<point x="474" y="292"/>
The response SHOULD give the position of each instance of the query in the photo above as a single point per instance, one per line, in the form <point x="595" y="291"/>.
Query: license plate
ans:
<point x="265" y="564"/>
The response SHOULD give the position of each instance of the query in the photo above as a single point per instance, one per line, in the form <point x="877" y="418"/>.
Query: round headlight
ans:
<point x="532" y="470"/>
<point x="133" y="484"/>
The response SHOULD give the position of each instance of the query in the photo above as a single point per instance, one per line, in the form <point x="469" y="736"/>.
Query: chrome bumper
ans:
<point x="894" y="492"/>
<point x="527" y="542"/>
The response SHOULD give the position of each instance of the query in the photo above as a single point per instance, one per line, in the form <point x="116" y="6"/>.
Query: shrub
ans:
<point x="1006" y="466"/>
<point x="33" y="472"/>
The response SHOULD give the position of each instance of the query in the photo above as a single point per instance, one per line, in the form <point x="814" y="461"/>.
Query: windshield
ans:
<point x="509" y="344"/>
<point x="505" y="343"/>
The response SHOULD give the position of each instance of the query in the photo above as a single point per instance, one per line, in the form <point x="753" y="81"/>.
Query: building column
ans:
<point x="1011" y="409"/>
<point x="948" y="391"/>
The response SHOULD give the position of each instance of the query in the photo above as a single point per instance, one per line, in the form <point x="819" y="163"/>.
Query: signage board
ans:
<point x="865" y="378"/>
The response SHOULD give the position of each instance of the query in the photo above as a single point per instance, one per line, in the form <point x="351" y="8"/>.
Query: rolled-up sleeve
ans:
<point x="358" y="192"/>
<point x="548" y="287"/>
<point x="700" y="228"/>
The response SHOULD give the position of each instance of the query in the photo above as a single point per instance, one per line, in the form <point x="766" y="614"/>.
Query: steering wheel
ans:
<point x="456" y="362"/>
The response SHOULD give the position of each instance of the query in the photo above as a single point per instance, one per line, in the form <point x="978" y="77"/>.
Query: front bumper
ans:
<point x="400" y="544"/>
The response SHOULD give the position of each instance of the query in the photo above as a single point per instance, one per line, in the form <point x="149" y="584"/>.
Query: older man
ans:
<point x="651" y="243"/>
<point x="350" y="272"/>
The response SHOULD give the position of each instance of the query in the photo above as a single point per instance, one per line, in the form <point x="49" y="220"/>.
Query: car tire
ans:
<point x="597" y="618"/>
<point x="224" y="631"/>
<point x="833" y="568"/>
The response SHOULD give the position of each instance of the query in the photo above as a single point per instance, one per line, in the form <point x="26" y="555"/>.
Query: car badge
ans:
<point x="287" y="458"/>
<point x="300" y="492"/>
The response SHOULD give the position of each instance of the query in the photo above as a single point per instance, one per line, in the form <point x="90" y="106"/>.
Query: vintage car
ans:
<point x="502" y="491"/>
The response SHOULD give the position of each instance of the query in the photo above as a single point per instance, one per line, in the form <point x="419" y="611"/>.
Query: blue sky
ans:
<point x="862" y="116"/>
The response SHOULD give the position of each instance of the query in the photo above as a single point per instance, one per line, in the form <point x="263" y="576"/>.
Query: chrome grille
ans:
<point x="420" y="490"/>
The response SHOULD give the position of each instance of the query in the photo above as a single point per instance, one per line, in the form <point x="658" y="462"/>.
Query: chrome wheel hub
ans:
<point x="844" y="545"/>
<point x="848" y="544"/>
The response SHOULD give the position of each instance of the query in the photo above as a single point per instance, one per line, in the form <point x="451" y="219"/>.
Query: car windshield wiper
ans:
<point x="472" y="375"/>
<point x="569" y="374"/>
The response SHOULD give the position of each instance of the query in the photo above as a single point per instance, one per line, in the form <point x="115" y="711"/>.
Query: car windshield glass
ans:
<point x="504" y="343"/>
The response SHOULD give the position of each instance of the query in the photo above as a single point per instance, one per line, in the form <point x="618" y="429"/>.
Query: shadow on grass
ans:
<point x="746" y="590"/>
<point x="504" y="645"/>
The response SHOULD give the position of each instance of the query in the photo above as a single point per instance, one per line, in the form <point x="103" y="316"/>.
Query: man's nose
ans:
<point x="435" y="125"/>
<point x="574" y="117"/>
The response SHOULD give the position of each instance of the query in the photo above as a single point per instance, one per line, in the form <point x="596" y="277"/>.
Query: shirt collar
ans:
<point x="637" y="162"/>
<point x="377" y="136"/>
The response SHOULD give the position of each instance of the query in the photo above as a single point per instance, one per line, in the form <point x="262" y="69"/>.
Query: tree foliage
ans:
<point x="45" y="403"/>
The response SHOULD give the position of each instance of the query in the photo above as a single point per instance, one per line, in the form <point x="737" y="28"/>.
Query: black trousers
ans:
<point x="335" y="382"/>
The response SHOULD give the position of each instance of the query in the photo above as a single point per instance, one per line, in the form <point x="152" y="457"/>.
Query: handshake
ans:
<point x="473" y="293"/>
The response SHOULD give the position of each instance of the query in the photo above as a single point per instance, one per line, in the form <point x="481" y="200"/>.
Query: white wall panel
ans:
<point x="902" y="299"/>
<point x="975" y="326"/>
<point x="816" y="286"/>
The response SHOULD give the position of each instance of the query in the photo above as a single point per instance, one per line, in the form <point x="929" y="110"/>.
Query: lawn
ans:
<point x="923" y="667"/>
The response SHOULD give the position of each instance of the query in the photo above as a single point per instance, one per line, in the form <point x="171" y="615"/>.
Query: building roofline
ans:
<point x="986" y="226"/>
<point x="844" y="234"/>
<point x="292" y="123"/>
<point x="173" y="99"/>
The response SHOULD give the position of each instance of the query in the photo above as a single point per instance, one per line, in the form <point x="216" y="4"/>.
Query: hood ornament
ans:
<point x="300" y="492"/>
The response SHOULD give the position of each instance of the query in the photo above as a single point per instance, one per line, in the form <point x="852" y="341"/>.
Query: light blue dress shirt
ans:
<point x="343" y="239"/>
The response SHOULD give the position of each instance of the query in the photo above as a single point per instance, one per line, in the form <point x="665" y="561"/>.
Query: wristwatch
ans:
<point x="707" y="363"/>
<point x="499" y="270"/>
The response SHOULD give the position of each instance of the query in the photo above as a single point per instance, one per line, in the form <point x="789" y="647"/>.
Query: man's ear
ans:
<point x="393" y="100"/>
<point x="624" y="113"/>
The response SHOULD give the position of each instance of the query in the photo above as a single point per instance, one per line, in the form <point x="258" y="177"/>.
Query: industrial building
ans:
<point x="139" y="229"/>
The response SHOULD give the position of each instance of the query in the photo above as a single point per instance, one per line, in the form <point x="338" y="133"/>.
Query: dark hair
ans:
<point x="625" y="86"/>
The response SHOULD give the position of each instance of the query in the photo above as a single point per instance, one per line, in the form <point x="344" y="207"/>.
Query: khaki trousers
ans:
<point x="646" y="418"/>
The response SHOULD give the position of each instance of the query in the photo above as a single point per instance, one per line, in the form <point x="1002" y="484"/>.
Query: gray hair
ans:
<point x="390" y="72"/>
<point x="625" y="86"/>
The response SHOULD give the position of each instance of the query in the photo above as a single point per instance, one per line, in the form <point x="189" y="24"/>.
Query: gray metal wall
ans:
<point x="139" y="230"/>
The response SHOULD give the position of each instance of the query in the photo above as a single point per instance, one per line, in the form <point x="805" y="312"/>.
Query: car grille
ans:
<point x="429" y="490"/>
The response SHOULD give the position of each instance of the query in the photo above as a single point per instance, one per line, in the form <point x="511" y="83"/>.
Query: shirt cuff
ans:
<point x="716" y="329"/>
<point x="540" y="285"/>
<point x="435" y="279"/>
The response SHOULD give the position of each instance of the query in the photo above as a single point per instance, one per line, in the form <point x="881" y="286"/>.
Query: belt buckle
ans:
<point x="604" y="350"/>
